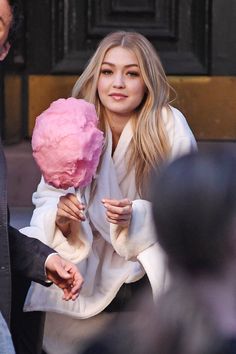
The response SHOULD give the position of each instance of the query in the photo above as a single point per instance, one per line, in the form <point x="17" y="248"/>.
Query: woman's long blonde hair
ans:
<point x="150" y="144"/>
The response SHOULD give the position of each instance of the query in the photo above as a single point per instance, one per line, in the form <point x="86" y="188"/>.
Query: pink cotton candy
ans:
<point x="67" y="143"/>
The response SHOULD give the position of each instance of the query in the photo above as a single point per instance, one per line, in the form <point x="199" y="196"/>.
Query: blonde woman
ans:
<point x="113" y="242"/>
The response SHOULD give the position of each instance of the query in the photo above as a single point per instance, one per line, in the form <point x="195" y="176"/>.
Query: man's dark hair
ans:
<point x="17" y="17"/>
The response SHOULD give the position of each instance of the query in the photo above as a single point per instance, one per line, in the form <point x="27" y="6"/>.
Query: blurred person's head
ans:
<point x="194" y="208"/>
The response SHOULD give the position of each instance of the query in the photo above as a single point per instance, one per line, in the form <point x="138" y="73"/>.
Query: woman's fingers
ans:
<point x="117" y="202"/>
<point x="121" y="222"/>
<point x="69" y="207"/>
<point x="71" y="201"/>
<point x="118" y="211"/>
<point x="117" y="216"/>
<point x="121" y="207"/>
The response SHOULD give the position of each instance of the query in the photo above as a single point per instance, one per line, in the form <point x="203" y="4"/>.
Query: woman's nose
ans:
<point x="119" y="81"/>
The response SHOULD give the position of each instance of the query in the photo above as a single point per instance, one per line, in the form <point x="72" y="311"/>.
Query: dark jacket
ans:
<point x="18" y="253"/>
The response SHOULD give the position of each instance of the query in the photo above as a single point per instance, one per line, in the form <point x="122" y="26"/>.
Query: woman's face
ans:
<point x="120" y="85"/>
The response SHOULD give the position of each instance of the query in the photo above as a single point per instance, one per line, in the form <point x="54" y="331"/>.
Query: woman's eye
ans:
<point x="106" y="72"/>
<point x="133" y="73"/>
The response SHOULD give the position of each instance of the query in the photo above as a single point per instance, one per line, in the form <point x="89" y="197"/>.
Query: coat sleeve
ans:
<point x="139" y="242"/>
<point x="43" y="227"/>
<point x="130" y="241"/>
<point x="28" y="256"/>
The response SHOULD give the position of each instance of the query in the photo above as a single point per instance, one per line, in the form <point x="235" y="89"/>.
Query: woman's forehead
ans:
<point x="120" y="54"/>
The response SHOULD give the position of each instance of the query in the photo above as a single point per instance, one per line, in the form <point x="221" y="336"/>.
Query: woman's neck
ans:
<point x="117" y="124"/>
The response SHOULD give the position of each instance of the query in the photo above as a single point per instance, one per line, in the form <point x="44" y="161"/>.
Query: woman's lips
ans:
<point x="118" y="96"/>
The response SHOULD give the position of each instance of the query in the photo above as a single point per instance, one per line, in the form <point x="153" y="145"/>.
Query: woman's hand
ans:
<point x="118" y="211"/>
<point x="68" y="209"/>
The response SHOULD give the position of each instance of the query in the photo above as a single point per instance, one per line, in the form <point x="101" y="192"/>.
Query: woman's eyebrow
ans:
<point x="111" y="64"/>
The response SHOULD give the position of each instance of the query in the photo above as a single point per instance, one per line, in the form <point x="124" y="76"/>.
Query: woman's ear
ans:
<point x="4" y="50"/>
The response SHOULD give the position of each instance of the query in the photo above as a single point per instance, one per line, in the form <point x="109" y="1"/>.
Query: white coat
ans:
<point x="107" y="255"/>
